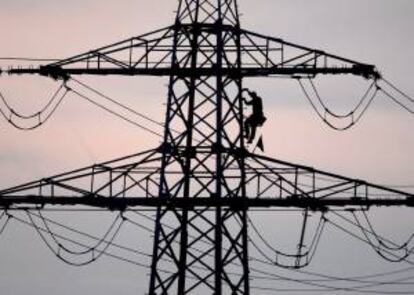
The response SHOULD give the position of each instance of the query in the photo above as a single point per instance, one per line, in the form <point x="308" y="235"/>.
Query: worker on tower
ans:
<point x="256" y="118"/>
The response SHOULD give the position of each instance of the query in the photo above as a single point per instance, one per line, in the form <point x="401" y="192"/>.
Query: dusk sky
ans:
<point x="379" y="149"/>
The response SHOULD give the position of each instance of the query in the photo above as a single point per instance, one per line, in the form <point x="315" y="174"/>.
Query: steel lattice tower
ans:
<point x="203" y="179"/>
<point x="206" y="113"/>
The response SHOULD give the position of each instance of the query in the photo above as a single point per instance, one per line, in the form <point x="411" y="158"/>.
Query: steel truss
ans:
<point x="202" y="179"/>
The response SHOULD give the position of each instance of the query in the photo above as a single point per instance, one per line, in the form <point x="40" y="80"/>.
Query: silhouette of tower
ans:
<point x="204" y="142"/>
<point x="203" y="179"/>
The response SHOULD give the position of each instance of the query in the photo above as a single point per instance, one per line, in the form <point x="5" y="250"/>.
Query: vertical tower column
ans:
<point x="201" y="250"/>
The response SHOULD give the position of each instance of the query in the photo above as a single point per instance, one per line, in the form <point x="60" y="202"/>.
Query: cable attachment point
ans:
<point x="68" y="88"/>
<point x="367" y="71"/>
<point x="54" y="72"/>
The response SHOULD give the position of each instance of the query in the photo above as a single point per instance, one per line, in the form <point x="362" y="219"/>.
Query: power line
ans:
<point x="382" y="248"/>
<point x="398" y="90"/>
<point x="100" y="240"/>
<point x="127" y="108"/>
<point x="92" y="237"/>
<point x="7" y="216"/>
<point x="12" y="58"/>
<point x="323" y="287"/>
<point x="89" y="250"/>
<point x="396" y="257"/>
<point x="370" y="231"/>
<point x="148" y="255"/>
<point x="352" y="115"/>
<point x="394" y="99"/>
<point x="256" y="277"/>
<point x="308" y="255"/>
<point x="115" y="113"/>
<point x="49" y="109"/>
<point x="272" y="290"/>
<point x="355" y="279"/>
<point x="92" y="248"/>
<point x="40" y="121"/>
<point x="116" y="102"/>
<point x="379" y="239"/>
<point x="397" y="100"/>
<point x="81" y="244"/>
<point x="336" y="115"/>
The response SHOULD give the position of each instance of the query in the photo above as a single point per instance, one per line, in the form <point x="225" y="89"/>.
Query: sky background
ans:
<point x="379" y="149"/>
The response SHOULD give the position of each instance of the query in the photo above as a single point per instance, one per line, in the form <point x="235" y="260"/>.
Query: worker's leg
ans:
<point x="247" y="127"/>
<point x="252" y="133"/>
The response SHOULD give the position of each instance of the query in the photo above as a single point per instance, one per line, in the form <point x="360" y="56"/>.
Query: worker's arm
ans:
<point x="245" y="99"/>
<point x="247" y="102"/>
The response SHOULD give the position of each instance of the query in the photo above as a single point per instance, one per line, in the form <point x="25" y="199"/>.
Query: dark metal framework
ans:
<point x="202" y="179"/>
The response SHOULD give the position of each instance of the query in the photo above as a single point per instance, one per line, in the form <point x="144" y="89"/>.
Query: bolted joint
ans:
<point x="214" y="196"/>
<point x="217" y="148"/>
<point x="164" y="195"/>
<point x="240" y="153"/>
<point x="166" y="148"/>
<point x="189" y="152"/>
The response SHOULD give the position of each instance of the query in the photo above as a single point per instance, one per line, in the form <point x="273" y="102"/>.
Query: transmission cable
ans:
<point x="13" y="58"/>
<point x="273" y="290"/>
<point x="312" y="282"/>
<point x="308" y="255"/>
<point x="106" y="253"/>
<point x="125" y="107"/>
<point x="362" y="106"/>
<point x="10" y="114"/>
<point x="76" y="231"/>
<point x="398" y="90"/>
<point x="323" y="287"/>
<point x="148" y="228"/>
<point x="42" y="116"/>
<point x="90" y="250"/>
<point x="372" y="232"/>
<point x="6" y="216"/>
<point x="354" y="279"/>
<point x="377" y="248"/>
<point x="115" y="113"/>
<point x="99" y="240"/>
<point x="79" y="253"/>
<point x="383" y="242"/>
<point x="395" y="100"/>
<point x="396" y="257"/>
<point x="327" y="278"/>
<point x="317" y="283"/>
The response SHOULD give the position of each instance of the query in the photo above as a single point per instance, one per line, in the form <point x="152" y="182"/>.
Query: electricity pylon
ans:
<point x="203" y="179"/>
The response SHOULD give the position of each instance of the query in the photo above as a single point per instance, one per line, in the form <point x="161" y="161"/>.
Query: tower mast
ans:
<point x="203" y="131"/>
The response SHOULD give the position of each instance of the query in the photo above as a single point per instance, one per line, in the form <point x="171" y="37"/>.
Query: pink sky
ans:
<point x="379" y="149"/>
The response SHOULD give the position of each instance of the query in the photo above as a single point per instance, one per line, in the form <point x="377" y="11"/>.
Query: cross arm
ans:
<point x="151" y="54"/>
<point x="269" y="56"/>
<point x="300" y="185"/>
<point x="147" y="54"/>
<point x="133" y="181"/>
<point x="20" y="202"/>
